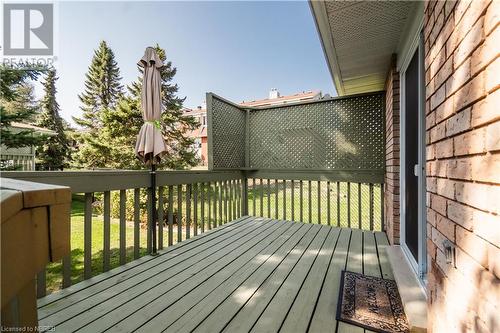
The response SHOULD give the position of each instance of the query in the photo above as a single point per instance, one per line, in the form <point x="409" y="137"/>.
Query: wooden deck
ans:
<point x="253" y="274"/>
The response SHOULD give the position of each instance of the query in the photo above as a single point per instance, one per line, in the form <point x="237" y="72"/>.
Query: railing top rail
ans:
<point x="109" y="180"/>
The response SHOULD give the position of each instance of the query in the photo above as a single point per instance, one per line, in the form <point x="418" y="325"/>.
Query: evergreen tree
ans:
<point x="17" y="104"/>
<point x="53" y="154"/>
<point x="103" y="89"/>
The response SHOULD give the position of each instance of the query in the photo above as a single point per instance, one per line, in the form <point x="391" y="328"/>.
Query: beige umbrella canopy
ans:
<point x="150" y="146"/>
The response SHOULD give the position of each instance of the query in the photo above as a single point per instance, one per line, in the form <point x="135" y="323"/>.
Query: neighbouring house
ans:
<point x="199" y="134"/>
<point x="438" y="62"/>
<point x="22" y="158"/>
<point x="275" y="98"/>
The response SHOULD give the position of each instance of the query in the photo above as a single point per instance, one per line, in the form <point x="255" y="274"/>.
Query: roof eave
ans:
<point x="320" y="15"/>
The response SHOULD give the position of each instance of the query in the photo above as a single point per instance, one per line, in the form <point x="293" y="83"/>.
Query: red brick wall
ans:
<point x="391" y="191"/>
<point x="462" y="42"/>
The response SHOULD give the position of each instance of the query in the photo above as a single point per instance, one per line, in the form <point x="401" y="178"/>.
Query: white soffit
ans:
<point x="359" y="38"/>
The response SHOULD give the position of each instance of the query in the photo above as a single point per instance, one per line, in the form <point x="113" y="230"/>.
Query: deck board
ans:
<point x="124" y="311"/>
<point x="253" y="274"/>
<point x="91" y="304"/>
<point x="238" y="286"/>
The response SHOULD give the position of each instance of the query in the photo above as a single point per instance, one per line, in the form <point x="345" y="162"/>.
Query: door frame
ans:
<point x="419" y="266"/>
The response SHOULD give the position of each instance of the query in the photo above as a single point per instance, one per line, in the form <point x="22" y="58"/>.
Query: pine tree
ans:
<point x="54" y="153"/>
<point x="17" y="104"/>
<point x="103" y="89"/>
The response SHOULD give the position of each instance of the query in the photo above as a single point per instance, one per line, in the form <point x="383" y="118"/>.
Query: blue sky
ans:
<point x="238" y="50"/>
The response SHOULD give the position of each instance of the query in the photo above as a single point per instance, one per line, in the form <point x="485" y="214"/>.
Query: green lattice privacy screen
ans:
<point x="226" y="134"/>
<point x="332" y="134"/>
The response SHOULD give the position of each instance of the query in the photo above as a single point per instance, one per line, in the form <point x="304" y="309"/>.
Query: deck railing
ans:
<point x="113" y="211"/>
<point x="189" y="202"/>
<point x="321" y="197"/>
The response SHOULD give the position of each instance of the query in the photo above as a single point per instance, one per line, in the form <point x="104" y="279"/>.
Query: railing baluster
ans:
<point x="241" y="196"/>
<point x="149" y="210"/>
<point x="261" y="184"/>
<point x="66" y="266"/>
<point x="41" y="283"/>
<point x="209" y="202"/>
<point x="202" y="208"/>
<point x="179" y="213"/>
<point x="338" y="204"/>
<point x="382" y="208"/>
<point x="268" y="198"/>
<point x="137" y="221"/>
<point x="230" y="199"/>
<point x="349" y="204"/>
<point x="225" y="202"/>
<point x="319" y="202"/>
<point x="371" y="206"/>
<point x="107" y="233"/>
<point x="328" y="204"/>
<point x="292" y="200"/>
<point x="195" y="208"/>
<point x="360" y="223"/>
<point x="160" y="217"/>
<point x="170" y="215"/>
<point x="309" y="195"/>
<point x="253" y="196"/>
<point x="301" y="202"/>
<point x="216" y="202"/>
<point x="87" y="237"/>
<point x="284" y="199"/>
<point x="235" y="199"/>
<point x="237" y="205"/>
<point x="220" y="203"/>
<point x="123" y="236"/>
<point x="276" y="192"/>
<point x="188" y="210"/>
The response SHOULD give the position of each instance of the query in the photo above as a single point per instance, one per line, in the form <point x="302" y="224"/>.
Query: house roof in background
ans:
<point x="194" y="112"/>
<point x="305" y="95"/>
<point x="36" y="129"/>
<point x="359" y="38"/>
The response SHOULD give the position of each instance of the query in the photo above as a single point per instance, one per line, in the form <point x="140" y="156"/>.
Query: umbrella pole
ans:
<point x="153" y="207"/>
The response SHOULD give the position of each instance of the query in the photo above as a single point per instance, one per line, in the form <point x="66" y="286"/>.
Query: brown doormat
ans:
<point x="371" y="302"/>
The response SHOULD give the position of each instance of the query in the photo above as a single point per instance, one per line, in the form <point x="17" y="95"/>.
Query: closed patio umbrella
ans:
<point x="150" y="146"/>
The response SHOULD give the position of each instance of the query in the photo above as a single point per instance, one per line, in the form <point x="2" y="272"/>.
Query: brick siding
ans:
<point x="391" y="190"/>
<point x="462" y="42"/>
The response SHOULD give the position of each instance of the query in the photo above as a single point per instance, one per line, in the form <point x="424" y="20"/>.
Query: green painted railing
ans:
<point x="112" y="212"/>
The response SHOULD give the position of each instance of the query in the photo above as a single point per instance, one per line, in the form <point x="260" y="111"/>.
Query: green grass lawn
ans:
<point x="54" y="271"/>
<point x="345" y="203"/>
